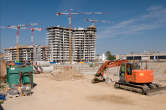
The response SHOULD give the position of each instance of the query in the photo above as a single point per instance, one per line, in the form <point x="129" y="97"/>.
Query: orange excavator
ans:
<point x="131" y="77"/>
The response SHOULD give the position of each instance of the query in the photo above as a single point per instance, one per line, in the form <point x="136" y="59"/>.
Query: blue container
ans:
<point x="18" y="63"/>
<point x="2" y="97"/>
<point x="52" y="62"/>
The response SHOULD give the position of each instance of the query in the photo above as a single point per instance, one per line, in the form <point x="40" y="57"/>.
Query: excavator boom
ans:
<point x="131" y="77"/>
<point x="107" y="64"/>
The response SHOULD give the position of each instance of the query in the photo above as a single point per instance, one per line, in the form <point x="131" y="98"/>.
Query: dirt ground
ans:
<point x="80" y="94"/>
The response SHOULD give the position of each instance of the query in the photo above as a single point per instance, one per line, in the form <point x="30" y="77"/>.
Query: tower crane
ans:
<point x="32" y="33"/>
<point x="94" y="20"/>
<point x="70" y="13"/>
<point x="18" y="27"/>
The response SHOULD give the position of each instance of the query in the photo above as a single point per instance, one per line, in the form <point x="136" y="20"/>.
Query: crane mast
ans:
<point x="17" y="28"/>
<point x="70" y="13"/>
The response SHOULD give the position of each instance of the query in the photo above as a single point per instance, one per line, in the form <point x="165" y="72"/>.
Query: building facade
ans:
<point x="83" y="44"/>
<point x="146" y="56"/>
<point x="26" y="53"/>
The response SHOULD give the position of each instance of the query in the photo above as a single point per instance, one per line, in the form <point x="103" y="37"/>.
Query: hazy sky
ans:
<point x="137" y="25"/>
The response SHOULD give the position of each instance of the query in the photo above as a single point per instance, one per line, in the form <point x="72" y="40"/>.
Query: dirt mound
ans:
<point x="66" y="75"/>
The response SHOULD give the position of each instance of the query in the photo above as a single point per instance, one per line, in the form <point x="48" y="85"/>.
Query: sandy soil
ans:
<point x="80" y="94"/>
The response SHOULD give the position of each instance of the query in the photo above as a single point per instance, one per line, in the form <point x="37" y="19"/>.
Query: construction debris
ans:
<point x="2" y="98"/>
<point x="2" y="92"/>
<point x="16" y="91"/>
<point x="42" y="66"/>
<point x="13" y="92"/>
<point x="37" y="69"/>
<point x="26" y="90"/>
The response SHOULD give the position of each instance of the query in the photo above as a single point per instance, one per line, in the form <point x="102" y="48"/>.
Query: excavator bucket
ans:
<point x="98" y="79"/>
<point x="99" y="76"/>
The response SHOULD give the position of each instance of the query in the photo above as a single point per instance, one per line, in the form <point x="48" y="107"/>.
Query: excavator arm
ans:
<point x="143" y="84"/>
<point x="99" y="76"/>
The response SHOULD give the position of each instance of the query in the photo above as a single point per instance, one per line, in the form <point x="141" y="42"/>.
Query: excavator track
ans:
<point x="159" y="90"/>
<point x="144" y="89"/>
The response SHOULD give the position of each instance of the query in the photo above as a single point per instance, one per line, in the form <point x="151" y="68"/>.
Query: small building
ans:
<point x="100" y="58"/>
<point x="146" y="56"/>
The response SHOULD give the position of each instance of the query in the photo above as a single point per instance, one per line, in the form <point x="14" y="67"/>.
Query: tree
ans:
<point x="109" y="56"/>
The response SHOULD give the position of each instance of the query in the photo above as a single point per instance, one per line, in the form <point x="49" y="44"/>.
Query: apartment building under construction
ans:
<point x="26" y="53"/>
<point x="83" y="44"/>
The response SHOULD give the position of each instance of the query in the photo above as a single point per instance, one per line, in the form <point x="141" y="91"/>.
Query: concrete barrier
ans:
<point x="42" y="63"/>
<point x="47" y="69"/>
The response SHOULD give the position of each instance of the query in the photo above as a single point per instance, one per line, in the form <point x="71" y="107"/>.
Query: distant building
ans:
<point x="100" y="58"/>
<point x="147" y="56"/>
<point x="83" y="44"/>
<point x="2" y="56"/>
<point x="27" y="53"/>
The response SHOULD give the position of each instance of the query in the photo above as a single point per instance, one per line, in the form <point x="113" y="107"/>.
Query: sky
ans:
<point x="136" y="25"/>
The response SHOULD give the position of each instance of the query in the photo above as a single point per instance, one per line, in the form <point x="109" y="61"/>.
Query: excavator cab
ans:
<point x="126" y="71"/>
<point x="131" y="72"/>
<point x="122" y="73"/>
<point x="131" y="77"/>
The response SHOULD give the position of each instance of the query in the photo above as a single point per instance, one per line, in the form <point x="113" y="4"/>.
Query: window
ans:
<point x="134" y="58"/>
<point x="122" y="68"/>
<point x="152" y="57"/>
<point x="161" y="57"/>
<point x="129" y="69"/>
<point x="122" y="72"/>
<point x="137" y="57"/>
<point x="130" y="58"/>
